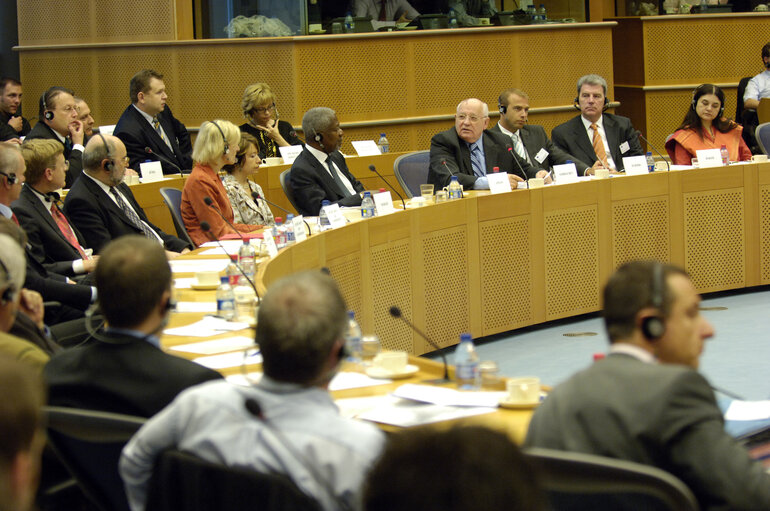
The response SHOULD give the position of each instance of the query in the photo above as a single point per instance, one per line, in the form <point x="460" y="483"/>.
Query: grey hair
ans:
<point x="12" y="257"/>
<point x="96" y="152"/>
<point x="316" y="120"/>
<point x="484" y="106"/>
<point x="9" y="159"/>
<point x="592" y="80"/>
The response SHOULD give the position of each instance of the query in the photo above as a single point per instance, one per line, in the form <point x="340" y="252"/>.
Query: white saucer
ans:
<point x="204" y="287"/>
<point x="517" y="405"/>
<point x="378" y="372"/>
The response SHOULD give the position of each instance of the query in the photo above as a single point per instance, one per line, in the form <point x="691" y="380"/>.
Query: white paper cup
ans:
<point x="273" y="161"/>
<point x="523" y="390"/>
<point x="391" y="361"/>
<point x="536" y="182"/>
<point x="602" y="173"/>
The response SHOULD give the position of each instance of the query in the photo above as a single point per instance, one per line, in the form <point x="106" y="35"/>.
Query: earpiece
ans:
<point x="227" y="146"/>
<point x="11" y="178"/>
<point x="502" y="108"/>
<point x="576" y="103"/>
<point x="318" y="137"/>
<point x="110" y="162"/>
<point x="48" y="114"/>
<point x="653" y="327"/>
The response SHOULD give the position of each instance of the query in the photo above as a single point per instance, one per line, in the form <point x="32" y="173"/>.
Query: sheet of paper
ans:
<point x="300" y="229"/>
<point x="231" y="246"/>
<point x="184" y="282"/>
<point x="448" y="397"/>
<point x="635" y="165"/>
<point x="499" y="182"/>
<point x="151" y="171"/>
<point x="196" y="307"/>
<point x="747" y="410"/>
<point x="402" y="412"/>
<point x="206" y="327"/>
<point x="234" y="359"/>
<point x="107" y="130"/>
<point x="366" y="148"/>
<point x="289" y="153"/>
<point x="341" y="381"/>
<point x="196" y="265"/>
<point x="335" y="216"/>
<point x="272" y="248"/>
<point x="235" y="343"/>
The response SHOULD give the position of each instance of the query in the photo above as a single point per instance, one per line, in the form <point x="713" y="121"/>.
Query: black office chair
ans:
<point x="577" y="482"/>
<point x="286" y="186"/>
<point x="412" y="171"/>
<point x="173" y="199"/>
<point x="183" y="482"/>
<point x="763" y="137"/>
<point x="747" y="118"/>
<point x="89" y="443"/>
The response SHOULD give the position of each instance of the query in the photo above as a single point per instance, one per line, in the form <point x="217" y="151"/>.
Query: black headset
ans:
<point x="693" y="104"/>
<point x="227" y="146"/>
<point x="10" y="177"/>
<point x="502" y="108"/>
<point x="110" y="161"/>
<point x="9" y="293"/>
<point x="48" y="114"/>
<point x="653" y="327"/>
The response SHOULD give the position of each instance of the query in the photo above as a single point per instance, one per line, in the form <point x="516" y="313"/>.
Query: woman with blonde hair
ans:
<point x="261" y="113"/>
<point x="240" y="190"/>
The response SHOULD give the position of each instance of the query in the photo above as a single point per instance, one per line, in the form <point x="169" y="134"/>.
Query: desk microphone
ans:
<point x="443" y="162"/>
<point x="727" y="393"/>
<point x="164" y="160"/>
<point x="396" y="313"/>
<point x="516" y="159"/>
<point x="210" y="203"/>
<point x="373" y="169"/>
<point x="206" y="228"/>
<point x="668" y="167"/>
<point x="256" y="196"/>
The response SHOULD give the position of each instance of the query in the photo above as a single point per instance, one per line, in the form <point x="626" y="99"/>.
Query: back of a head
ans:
<point x="131" y="276"/>
<point x="316" y="120"/>
<point x="461" y="469"/>
<point x="9" y="158"/>
<point x="299" y="320"/>
<point x="212" y="138"/>
<point x="20" y="408"/>
<point x="98" y="149"/>
<point x="12" y="263"/>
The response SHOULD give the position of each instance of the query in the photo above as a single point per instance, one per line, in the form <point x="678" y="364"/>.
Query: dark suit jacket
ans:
<point x="312" y="183"/>
<point x="74" y="156"/>
<point x="655" y="414"/>
<point x="448" y="147"/>
<point x="48" y="244"/>
<point x="573" y="138"/>
<point x="136" y="133"/>
<point x="131" y="377"/>
<point x="534" y="139"/>
<point x="101" y="220"/>
<point x="7" y="133"/>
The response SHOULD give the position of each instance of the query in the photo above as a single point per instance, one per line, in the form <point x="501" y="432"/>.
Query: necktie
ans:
<point x="66" y="229"/>
<point x="343" y="189"/>
<point x="518" y="146"/>
<point x="67" y="147"/>
<point x="156" y="125"/>
<point x="13" y="217"/>
<point x="601" y="154"/>
<point x="476" y="164"/>
<point x="382" y="11"/>
<point x="132" y="216"/>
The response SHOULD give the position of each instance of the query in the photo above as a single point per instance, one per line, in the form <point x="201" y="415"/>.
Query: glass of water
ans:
<point x="370" y="347"/>
<point x="426" y="192"/>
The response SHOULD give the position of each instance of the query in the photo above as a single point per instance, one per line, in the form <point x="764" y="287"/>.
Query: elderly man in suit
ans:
<point x="470" y="151"/>
<point x="147" y="123"/>
<point x="594" y="136"/>
<point x="646" y="402"/>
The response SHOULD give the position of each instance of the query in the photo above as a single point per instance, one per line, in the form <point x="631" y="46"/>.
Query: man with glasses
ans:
<point x="470" y="151"/>
<point x="148" y="123"/>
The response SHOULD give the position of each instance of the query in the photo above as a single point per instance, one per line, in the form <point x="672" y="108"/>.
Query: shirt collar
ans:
<point x="144" y="114"/>
<point x="6" y="211"/>
<point x="152" y="339"/>
<point x="507" y="132"/>
<point x="638" y="353"/>
<point x="42" y="198"/>
<point x="103" y="186"/>
<point x="587" y="123"/>
<point x="320" y="155"/>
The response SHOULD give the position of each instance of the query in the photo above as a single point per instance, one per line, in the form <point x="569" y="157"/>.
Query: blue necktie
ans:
<point x="476" y="161"/>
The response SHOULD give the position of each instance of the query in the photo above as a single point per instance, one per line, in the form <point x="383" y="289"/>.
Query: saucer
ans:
<point x="204" y="287"/>
<point x="511" y="405"/>
<point x="378" y="372"/>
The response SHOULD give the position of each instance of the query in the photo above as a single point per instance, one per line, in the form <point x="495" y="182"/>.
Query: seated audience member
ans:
<point x="320" y="173"/>
<point x="757" y="88"/>
<point x="53" y="240"/>
<point x="12" y="124"/>
<point x="300" y="332"/>
<point x="646" y="402"/>
<point x="470" y="151"/>
<point x="595" y="136"/>
<point x="479" y="469"/>
<point x="22" y="436"/>
<point x="246" y="210"/>
<point x="84" y="116"/>
<point x="705" y="127"/>
<point x="215" y="147"/>
<point x="529" y="140"/>
<point x="261" y="113"/>
<point x="468" y="12"/>
<point x="123" y="369"/>
<point x="385" y="10"/>
<point x="58" y="120"/>
<point x="148" y="123"/>
<point x="102" y="206"/>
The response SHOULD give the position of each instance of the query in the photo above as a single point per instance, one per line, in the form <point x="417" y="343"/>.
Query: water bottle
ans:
<point x="455" y="189"/>
<point x="225" y="299"/>
<point x="725" y="155"/>
<point x="350" y="25"/>
<point x="353" y="338"/>
<point x="323" y="220"/>
<point x="650" y="162"/>
<point x="246" y="256"/>
<point x="289" y="226"/>
<point x="383" y="144"/>
<point x="542" y="13"/>
<point x="466" y="364"/>
<point x="245" y="302"/>
<point x="452" y="19"/>
<point x="367" y="206"/>
<point x="232" y="270"/>
<point x="531" y="12"/>
<point x="279" y="233"/>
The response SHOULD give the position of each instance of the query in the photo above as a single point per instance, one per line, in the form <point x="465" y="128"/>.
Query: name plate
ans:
<point x="151" y="171"/>
<point x="499" y="182"/>
<point x="300" y="231"/>
<point x="366" y="148"/>
<point x="267" y="238"/>
<point x="383" y="203"/>
<point x="565" y="173"/>
<point x="709" y="158"/>
<point x="635" y="165"/>
<point x="335" y="216"/>
<point x="289" y="153"/>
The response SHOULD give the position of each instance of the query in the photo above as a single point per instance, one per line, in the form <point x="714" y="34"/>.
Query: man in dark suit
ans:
<point x="470" y="151"/>
<point x="103" y="208"/>
<point x="58" y="120"/>
<point x="149" y="123"/>
<point x="529" y="141"/>
<point x="646" y="402"/>
<point x="12" y="124"/>
<point x="594" y="136"/>
<point x="320" y="173"/>
<point x="123" y="369"/>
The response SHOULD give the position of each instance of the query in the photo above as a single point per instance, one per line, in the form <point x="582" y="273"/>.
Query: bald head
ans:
<point x="104" y="159"/>
<point x="471" y="119"/>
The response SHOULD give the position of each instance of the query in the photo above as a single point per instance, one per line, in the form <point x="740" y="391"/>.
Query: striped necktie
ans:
<point x="601" y="154"/>
<point x="518" y="146"/>
<point x="66" y="230"/>
<point x="476" y="161"/>
<point x="132" y="216"/>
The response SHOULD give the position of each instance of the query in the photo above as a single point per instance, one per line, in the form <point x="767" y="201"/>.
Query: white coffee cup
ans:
<point x="759" y="158"/>
<point x="523" y="390"/>
<point x="207" y="278"/>
<point x="536" y="182"/>
<point x="391" y="361"/>
<point x="273" y="161"/>
<point x="601" y="173"/>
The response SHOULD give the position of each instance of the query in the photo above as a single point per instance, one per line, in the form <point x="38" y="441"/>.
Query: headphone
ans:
<point x="502" y="108"/>
<point x="10" y="177"/>
<point x="721" y="110"/>
<point x="48" y="114"/>
<point x="227" y="146"/>
<point x="110" y="162"/>
<point x="576" y="103"/>
<point x="9" y="293"/>
<point x="98" y="334"/>
<point x="653" y="327"/>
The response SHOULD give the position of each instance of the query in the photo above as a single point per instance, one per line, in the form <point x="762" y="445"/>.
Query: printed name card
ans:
<point x="709" y="158"/>
<point x="335" y="216"/>
<point x="499" y="182"/>
<point x="366" y="148"/>
<point x="289" y="153"/>
<point x="267" y="238"/>
<point x="151" y="171"/>
<point x="566" y="173"/>
<point x="383" y="203"/>
<point x="300" y="232"/>
<point x="635" y="165"/>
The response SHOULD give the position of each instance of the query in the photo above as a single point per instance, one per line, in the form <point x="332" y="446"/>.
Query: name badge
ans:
<point x="383" y="203"/>
<point x="624" y="147"/>
<point x="635" y="165"/>
<point x="709" y="158"/>
<point x="335" y="216"/>
<point x="566" y="173"/>
<point x="541" y="155"/>
<point x="272" y="249"/>
<point x="300" y="233"/>
<point x="499" y="182"/>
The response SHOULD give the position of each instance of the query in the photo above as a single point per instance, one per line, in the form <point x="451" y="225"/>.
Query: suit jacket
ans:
<point x="534" y="139"/>
<point x="655" y="414"/>
<point x="136" y="133"/>
<point x="131" y="376"/>
<point x="448" y="147"/>
<point x="101" y="220"/>
<point x="47" y="243"/>
<point x="7" y="132"/>
<point x="312" y="183"/>
<point x="573" y="138"/>
<point x="73" y="156"/>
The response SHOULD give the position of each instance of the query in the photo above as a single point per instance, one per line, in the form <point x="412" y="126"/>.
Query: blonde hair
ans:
<point x="255" y="95"/>
<point x="40" y="154"/>
<point x="210" y="144"/>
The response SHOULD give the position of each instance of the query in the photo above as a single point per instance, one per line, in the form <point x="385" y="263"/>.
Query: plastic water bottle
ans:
<point x="323" y="220"/>
<point x="542" y="13"/>
<point x="246" y="257"/>
<point x="725" y="155"/>
<point x="455" y="189"/>
<point x="367" y="205"/>
<point x="279" y="233"/>
<point x="289" y="227"/>
<point x="531" y="12"/>
<point x="225" y="299"/>
<point x="350" y="25"/>
<point x="383" y="144"/>
<point x="452" y="19"/>
<point x="353" y="338"/>
<point x="232" y="270"/>
<point x="245" y="302"/>
<point x="650" y="162"/>
<point x="467" y="364"/>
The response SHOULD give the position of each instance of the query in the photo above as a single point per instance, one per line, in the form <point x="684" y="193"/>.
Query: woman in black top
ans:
<point x="258" y="105"/>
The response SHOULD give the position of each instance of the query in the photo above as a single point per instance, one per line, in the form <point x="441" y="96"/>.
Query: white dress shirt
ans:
<point x="602" y="134"/>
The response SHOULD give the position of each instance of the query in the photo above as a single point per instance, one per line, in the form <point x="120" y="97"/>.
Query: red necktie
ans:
<point x="13" y="217"/>
<point x="66" y="230"/>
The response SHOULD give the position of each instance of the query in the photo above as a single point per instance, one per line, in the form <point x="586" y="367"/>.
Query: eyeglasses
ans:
<point x="473" y="118"/>
<point x="262" y="110"/>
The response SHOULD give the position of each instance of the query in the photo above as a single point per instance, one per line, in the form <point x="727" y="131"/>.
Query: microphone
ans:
<point x="668" y="167"/>
<point x="516" y="159"/>
<point x="256" y="196"/>
<point x="396" y="313"/>
<point x="163" y="159"/>
<point x="443" y="162"/>
<point x="726" y="393"/>
<point x="210" y="203"/>
<point x="206" y="228"/>
<point x="373" y="169"/>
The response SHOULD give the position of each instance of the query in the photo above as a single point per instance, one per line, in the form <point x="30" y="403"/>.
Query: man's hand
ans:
<point x="16" y="123"/>
<point x="131" y="172"/>
<point x="89" y="265"/>
<point x="185" y="251"/>
<point x="172" y="255"/>
<point x="76" y="132"/>
<point x="31" y="304"/>
<point x="13" y="141"/>
<point x="514" y="180"/>
<point x="545" y="175"/>
<point x="403" y="18"/>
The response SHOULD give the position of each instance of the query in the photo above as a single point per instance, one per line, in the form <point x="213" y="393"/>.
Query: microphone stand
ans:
<point x="256" y="196"/>
<point x="373" y="169"/>
<point x="206" y="228"/>
<point x="396" y="313"/>
<point x="668" y="167"/>
<point x="164" y="160"/>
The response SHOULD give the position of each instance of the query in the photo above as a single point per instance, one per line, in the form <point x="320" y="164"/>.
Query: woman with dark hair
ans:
<point x="246" y="210"/>
<point x="705" y="127"/>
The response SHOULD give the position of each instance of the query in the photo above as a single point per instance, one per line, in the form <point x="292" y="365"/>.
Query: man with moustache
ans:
<point x="12" y="124"/>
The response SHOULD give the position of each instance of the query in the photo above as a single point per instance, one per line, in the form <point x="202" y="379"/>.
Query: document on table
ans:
<point x="208" y="307"/>
<point x="224" y="345"/>
<point x="207" y="327"/>
<point x="448" y="397"/>
<point x="184" y="282"/>
<point x="748" y="410"/>
<point x="341" y="381"/>
<point x="403" y="412"/>
<point x="227" y="360"/>
<point x="230" y="247"/>
<point x="196" y="265"/>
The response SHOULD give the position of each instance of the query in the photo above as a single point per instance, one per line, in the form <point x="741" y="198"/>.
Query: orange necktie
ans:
<point x="66" y="230"/>
<point x="601" y="154"/>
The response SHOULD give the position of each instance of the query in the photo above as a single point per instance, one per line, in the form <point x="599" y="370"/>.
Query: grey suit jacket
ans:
<point x="535" y="139"/>
<point x="655" y="414"/>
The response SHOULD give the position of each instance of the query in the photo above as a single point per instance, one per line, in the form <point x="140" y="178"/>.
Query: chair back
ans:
<point x="763" y="136"/>
<point x="173" y="199"/>
<point x="741" y="90"/>
<point x="89" y="443"/>
<point x="412" y="171"/>
<point x="183" y="482"/>
<point x="286" y="186"/>
<point x="577" y="481"/>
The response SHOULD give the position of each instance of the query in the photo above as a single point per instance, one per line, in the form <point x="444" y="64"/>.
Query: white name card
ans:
<point x="366" y="148"/>
<point x="300" y="232"/>
<point x="335" y="216"/>
<point x="289" y="153"/>
<point x="635" y="165"/>
<point x="107" y="130"/>
<point x="272" y="249"/>
<point x="565" y="173"/>
<point x="499" y="182"/>
<point x="383" y="203"/>
<point x="151" y="171"/>
<point x="709" y="158"/>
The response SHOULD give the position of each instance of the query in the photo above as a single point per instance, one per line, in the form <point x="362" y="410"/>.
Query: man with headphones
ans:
<point x="646" y="402"/>
<point x="596" y="136"/>
<point x="286" y="422"/>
